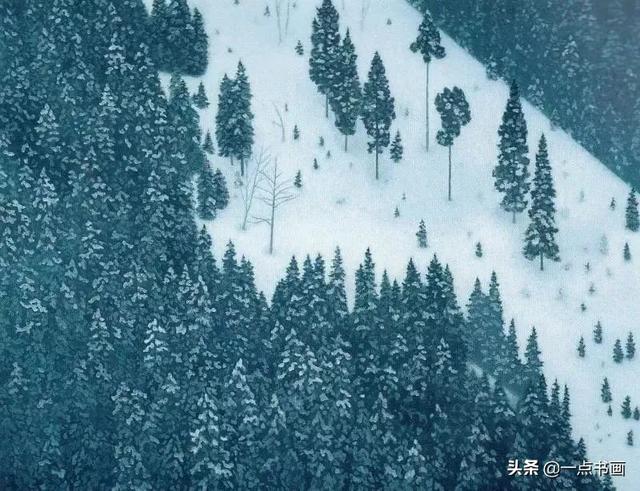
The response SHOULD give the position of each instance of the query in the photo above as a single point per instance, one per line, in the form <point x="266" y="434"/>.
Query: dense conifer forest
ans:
<point x="133" y="357"/>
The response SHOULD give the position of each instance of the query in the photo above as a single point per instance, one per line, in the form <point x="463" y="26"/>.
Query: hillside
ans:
<point x="341" y="204"/>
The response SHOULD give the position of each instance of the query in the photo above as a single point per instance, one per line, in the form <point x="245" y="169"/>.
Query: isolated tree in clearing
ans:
<point x="454" y="113"/>
<point x="377" y="109"/>
<point x="632" y="218"/>
<point x="540" y="241"/>
<point x="428" y="44"/>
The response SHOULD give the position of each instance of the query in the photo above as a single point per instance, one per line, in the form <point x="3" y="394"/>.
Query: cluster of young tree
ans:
<point x="333" y="68"/>
<point x="234" y="119"/>
<point x="131" y="360"/>
<point x="177" y="38"/>
<point x="564" y="55"/>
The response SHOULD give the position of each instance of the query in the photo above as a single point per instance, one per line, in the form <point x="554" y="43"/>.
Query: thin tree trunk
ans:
<point x="242" y="166"/>
<point x="377" y="164"/>
<point x="427" y="106"/>
<point x="449" y="172"/>
<point x="345" y="143"/>
<point x="541" y="261"/>
<point x="273" y="215"/>
<point x="513" y="218"/>
<point x="231" y="158"/>
<point x="326" y="106"/>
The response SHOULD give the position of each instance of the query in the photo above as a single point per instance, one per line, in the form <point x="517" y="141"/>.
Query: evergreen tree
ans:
<point x="241" y="123"/>
<point x="636" y="413"/>
<point x="632" y="218"/>
<point x="581" y="347"/>
<point x="325" y="48"/>
<point x="346" y="94"/>
<point x="630" y="438"/>
<point x="479" y="252"/>
<point x="540" y="235"/>
<point x="605" y="391"/>
<point x="626" y="254"/>
<point x="159" y="34"/>
<point x="532" y="357"/>
<point x="207" y="146"/>
<point x="296" y="132"/>
<point x="630" y="346"/>
<point x="626" y="408"/>
<point x="221" y="191"/>
<point x="299" y="48"/>
<point x="618" y="355"/>
<point x="396" y="149"/>
<point x="297" y="182"/>
<point x="198" y="56"/>
<point x="224" y="117"/>
<point x="200" y="98"/>
<point x="597" y="333"/>
<point x="454" y="113"/>
<point x="428" y="45"/>
<point x="207" y="200"/>
<point x="377" y="108"/>
<point x="421" y="234"/>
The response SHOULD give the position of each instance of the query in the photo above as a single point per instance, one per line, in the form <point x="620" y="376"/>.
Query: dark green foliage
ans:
<point x="609" y="411"/>
<point x="200" y="98"/>
<point x="630" y="438"/>
<point x="511" y="172"/>
<point x="626" y="253"/>
<point x="428" y="45"/>
<point x="325" y="49"/>
<point x="396" y="212"/>
<point x="630" y="346"/>
<point x="297" y="181"/>
<point x="626" y="408"/>
<point x="421" y="235"/>
<point x="454" y="113"/>
<point x="207" y="197"/>
<point x="315" y="164"/>
<point x="540" y="241"/>
<point x="346" y="94"/>
<point x="207" y="145"/>
<point x="636" y="413"/>
<point x="581" y="347"/>
<point x="377" y="108"/>
<point x="612" y="204"/>
<point x="396" y="150"/>
<point x="618" y="355"/>
<point x="597" y="333"/>
<point x="479" y="252"/>
<point x="296" y="132"/>
<point x="220" y="189"/>
<point x="299" y="48"/>
<point x="605" y="391"/>
<point x="632" y="219"/>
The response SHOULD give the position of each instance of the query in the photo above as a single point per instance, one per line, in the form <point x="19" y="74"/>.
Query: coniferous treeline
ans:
<point x="131" y="359"/>
<point x="576" y="60"/>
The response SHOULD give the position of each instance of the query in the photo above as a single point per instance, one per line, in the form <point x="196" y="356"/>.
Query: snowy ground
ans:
<point x="341" y="204"/>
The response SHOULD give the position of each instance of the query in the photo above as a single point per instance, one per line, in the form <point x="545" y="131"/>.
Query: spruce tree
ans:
<point x="396" y="150"/>
<point x="200" y="98"/>
<point x="296" y="132"/>
<point x="605" y="391"/>
<point x="626" y="253"/>
<point x="428" y="45"/>
<point x="224" y="117"/>
<point x="540" y="239"/>
<point x="299" y="48"/>
<point x="532" y="356"/>
<point x="179" y="37"/>
<point x="630" y="346"/>
<point x="597" y="333"/>
<point x="421" y="235"/>
<point x="207" y="202"/>
<point x="618" y="355"/>
<point x="511" y="172"/>
<point x="220" y="189"/>
<point x="626" y="408"/>
<point x="207" y="145"/>
<point x="377" y="108"/>
<point x="632" y="219"/>
<point x="241" y="123"/>
<point x="158" y="34"/>
<point x="198" y="56"/>
<point x="325" y="46"/>
<point x="630" y="438"/>
<point x="581" y="347"/>
<point x="479" y="252"/>
<point x="346" y="94"/>
<point x="297" y="182"/>
<point x="454" y="113"/>
<point x="636" y="413"/>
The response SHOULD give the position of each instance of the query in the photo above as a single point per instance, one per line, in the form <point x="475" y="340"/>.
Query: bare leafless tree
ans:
<point x="278" y="6"/>
<point x="364" y="11"/>
<point x="280" y="123"/>
<point x="250" y="186"/>
<point x="274" y="191"/>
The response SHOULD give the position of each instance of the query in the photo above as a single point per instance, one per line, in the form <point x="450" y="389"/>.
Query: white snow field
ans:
<point x="341" y="203"/>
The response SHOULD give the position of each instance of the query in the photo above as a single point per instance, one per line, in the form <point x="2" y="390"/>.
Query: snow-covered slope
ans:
<point x="341" y="204"/>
